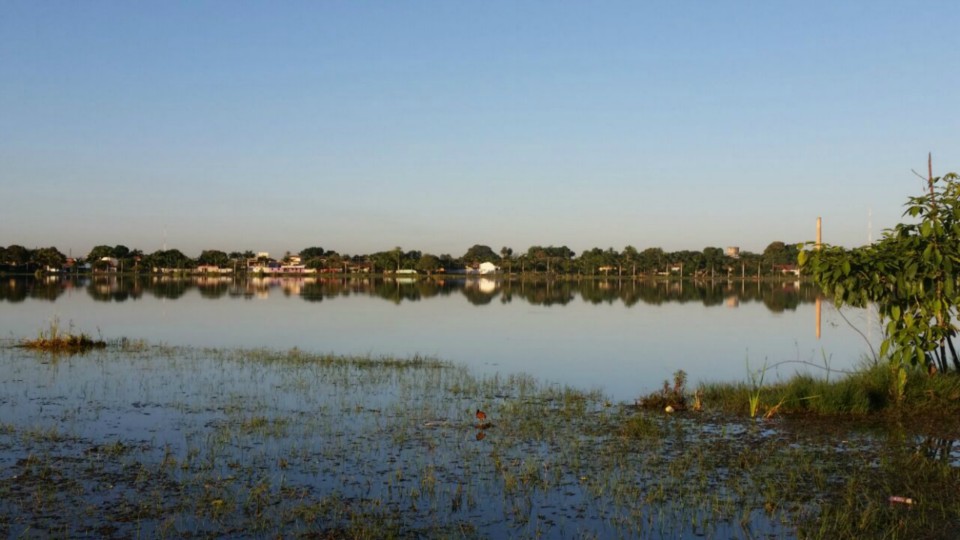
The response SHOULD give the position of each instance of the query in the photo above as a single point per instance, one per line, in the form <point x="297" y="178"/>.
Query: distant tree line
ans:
<point x="547" y="260"/>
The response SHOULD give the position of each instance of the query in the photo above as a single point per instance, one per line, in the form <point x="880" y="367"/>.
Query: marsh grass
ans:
<point x="261" y="443"/>
<point x="870" y="390"/>
<point x="56" y="340"/>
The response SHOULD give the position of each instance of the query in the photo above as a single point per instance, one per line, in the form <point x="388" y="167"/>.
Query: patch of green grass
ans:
<point x="871" y="390"/>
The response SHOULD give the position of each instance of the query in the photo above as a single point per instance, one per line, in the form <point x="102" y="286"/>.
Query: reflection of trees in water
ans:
<point x="113" y="289"/>
<point x="169" y="288"/>
<point x="17" y="289"/>
<point x="393" y="290"/>
<point x="545" y="292"/>
<point x="396" y="290"/>
<point x="214" y="288"/>
<point x="776" y="296"/>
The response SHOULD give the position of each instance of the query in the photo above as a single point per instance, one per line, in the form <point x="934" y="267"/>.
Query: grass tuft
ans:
<point x="55" y="340"/>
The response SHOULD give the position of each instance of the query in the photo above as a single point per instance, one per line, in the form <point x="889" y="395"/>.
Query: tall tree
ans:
<point x="478" y="254"/>
<point x="630" y="256"/>
<point x="214" y="257"/>
<point x="506" y="257"/>
<point x="311" y="252"/>
<point x="428" y="263"/>
<point x="49" y="257"/>
<point x="99" y="252"/>
<point x="777" y="253"/>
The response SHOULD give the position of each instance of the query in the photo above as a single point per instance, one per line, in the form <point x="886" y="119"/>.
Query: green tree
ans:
<point x="428" y="264"/>
<point x="312" y="252"/>
<point x="715" y="260"/>
<point x="49" y="257"/>
<point x="17" y="255"/>
<point x="170" y="259"/>
<point x="554" y="260"/>
<point x="911" y="276"/>
<point x="506" y="257"/>
<point x="778" y="253"/>
<point x="599" y="261"/>
<point x="651" y="260"/>
<point x="99" y="252"/>
<point x="478" y="254"/>
<point x="629" y="257"/>
<point x="214" y="257"/>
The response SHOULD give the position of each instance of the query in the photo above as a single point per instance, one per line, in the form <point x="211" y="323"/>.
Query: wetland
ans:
<point x="210" y="429"/>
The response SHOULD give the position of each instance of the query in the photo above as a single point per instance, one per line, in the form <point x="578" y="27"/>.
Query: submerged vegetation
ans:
<point x="152" y="441"/>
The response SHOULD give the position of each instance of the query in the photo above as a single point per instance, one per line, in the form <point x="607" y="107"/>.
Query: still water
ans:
<point x="622" y="336"/>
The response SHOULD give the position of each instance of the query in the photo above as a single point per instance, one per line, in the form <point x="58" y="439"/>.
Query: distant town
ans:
<point x="777" y="258"/>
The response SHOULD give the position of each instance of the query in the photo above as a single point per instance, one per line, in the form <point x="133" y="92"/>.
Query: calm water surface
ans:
<point x="622" y="336"/>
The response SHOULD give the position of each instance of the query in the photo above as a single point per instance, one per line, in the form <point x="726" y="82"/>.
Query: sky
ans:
<point x="437" y="125"/>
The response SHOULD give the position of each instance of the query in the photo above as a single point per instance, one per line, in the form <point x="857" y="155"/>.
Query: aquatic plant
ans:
<point x="297" y="444"/>
<point x="756" y="384"/>
<point x="672" y="396"/>
<point x="54" y="339"/>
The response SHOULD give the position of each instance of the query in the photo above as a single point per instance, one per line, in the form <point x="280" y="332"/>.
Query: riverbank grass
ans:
<point x="875" y="389"/>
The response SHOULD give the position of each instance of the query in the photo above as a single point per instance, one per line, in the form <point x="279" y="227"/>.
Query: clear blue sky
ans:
<point x="360" y="126"/>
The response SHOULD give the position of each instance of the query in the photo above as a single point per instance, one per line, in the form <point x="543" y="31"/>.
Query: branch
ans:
<point x="810" y="364"/>
<point x="876" y="359"/>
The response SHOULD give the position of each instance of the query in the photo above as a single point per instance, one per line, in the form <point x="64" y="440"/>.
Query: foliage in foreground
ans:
<point x="910" y="274"/>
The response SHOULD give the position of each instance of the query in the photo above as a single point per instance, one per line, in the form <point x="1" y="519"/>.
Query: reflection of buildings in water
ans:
<point x="259" y="287"/>
<point x="294" y="286"/>
<point x="483" y="285"/>
<point x="106" y="285"/>
<point x="733" y="301"/>
<point x="209" y="280"/>
<point x="488" y="286"/>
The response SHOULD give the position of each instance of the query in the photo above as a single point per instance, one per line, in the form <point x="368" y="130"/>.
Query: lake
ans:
<point x="623" y="337"/>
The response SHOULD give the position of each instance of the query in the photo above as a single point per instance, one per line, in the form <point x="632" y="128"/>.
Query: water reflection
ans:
<point x="776" y="296"/>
